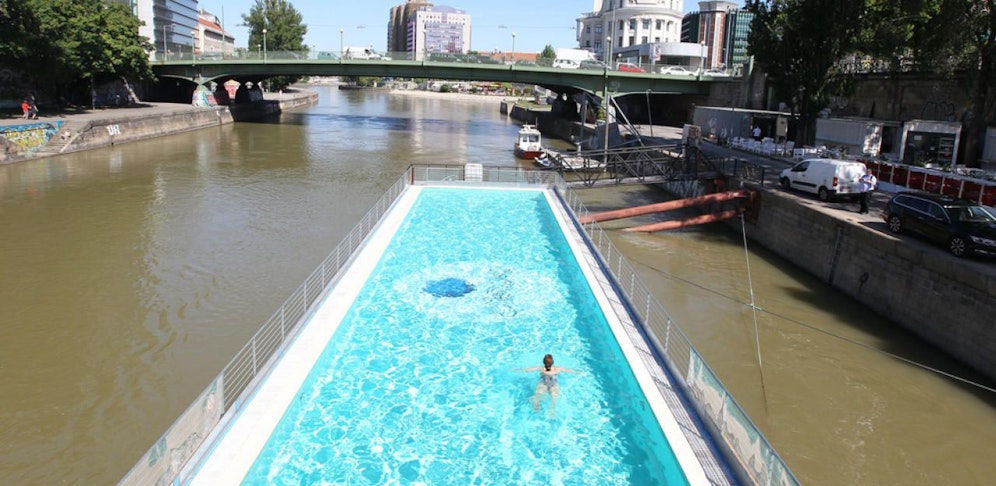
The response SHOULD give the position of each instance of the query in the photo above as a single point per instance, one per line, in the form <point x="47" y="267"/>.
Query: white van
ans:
<point x="363" y="53"/>
<point x="566" y="64"/>
<point x="827" y="178"/>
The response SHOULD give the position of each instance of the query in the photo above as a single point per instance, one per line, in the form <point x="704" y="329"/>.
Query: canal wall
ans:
<point x="947" y="301"/>
<point x="112" y="130"/>
<point x="74" y="133"/>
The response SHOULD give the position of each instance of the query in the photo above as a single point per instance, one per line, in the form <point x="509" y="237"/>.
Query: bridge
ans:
<point x="565" y="81"/>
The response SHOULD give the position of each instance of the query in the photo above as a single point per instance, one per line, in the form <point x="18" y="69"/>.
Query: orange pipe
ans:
<point x="664" y="206"/>
<point x="705" y="218"/>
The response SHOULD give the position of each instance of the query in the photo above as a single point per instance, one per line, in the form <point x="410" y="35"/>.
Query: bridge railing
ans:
<point x="330" y="56"/>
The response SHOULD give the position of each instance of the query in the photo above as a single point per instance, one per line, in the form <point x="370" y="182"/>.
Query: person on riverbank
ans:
<point x="867" y="183"/>
<point x="25" y="109"/>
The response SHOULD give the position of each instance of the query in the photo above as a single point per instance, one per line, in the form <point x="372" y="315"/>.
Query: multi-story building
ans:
<point x="172" y="26"/>
<point x="397" y="27"/>
<point x="438" y="29"/>
<point x="690" y="27"/>
<point x="630" y="29"/>
<point x="735" y="42"/>
<point x="721" y="28"/>
<point x="211" y="39"/>
<point x="712" y="30"/>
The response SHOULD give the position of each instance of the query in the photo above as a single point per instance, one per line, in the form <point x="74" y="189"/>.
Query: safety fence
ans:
<point x="185" y="440"/>
<point x="972" y="184"/>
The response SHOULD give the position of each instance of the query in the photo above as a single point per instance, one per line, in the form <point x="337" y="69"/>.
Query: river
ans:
<point x="131" y="275"/>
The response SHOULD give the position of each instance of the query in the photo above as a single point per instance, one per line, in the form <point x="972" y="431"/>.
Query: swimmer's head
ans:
<point x="548" y="361"/>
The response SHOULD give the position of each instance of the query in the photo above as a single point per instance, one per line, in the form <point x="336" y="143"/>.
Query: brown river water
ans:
<point x="130" y="275"/>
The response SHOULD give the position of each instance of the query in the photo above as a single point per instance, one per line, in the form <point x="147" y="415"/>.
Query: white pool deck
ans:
<point x="237" y="446"/>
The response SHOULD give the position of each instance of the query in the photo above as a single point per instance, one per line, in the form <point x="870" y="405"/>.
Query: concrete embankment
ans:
<point x="131" y="128"/>
<point x="947" y="301"/>
<point x="75" y="132"/>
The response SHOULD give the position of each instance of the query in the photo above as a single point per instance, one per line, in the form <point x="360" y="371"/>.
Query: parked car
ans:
<point x="592" y="64"/>
<point x="965" y="227"/>
<point x="629" y="67"/>
<point x="827" y="178"/>
<point x="676" y="70"/>
<point x="716" y="73"/>
<point x="566" y="63"/>
<point x="523" y="62"/>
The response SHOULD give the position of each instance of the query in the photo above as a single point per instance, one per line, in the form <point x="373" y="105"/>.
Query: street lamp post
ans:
<point x="259" y="51"/>
<point x="165" y="46"/>
<point x="341" y="51"/>
<point x="264" y="44"/>
<point x="512" y="54"/>
<point x="193" y="44"/>
<point x="605" y="98"/>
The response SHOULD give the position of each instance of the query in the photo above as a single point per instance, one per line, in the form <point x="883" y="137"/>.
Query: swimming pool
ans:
<point x="415" y="381"/>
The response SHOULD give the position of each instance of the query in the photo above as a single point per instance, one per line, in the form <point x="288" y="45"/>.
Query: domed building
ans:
<point x="631" y="30"/>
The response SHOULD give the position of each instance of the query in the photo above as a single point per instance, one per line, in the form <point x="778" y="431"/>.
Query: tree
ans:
<point x="798" y="43"/>
<point x="72" y="43"/>
<point x="961" y="36"/>
<point x="546" y="57"/>
<point x="285" y="31"/>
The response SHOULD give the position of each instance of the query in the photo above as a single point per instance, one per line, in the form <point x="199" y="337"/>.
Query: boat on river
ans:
<point x="529" y="143"/>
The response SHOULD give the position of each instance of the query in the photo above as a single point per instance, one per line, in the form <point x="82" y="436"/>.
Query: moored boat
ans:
<point x="529" y="144"/>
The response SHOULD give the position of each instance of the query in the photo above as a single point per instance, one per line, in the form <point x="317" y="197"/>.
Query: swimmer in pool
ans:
<point x="547" y="382"/>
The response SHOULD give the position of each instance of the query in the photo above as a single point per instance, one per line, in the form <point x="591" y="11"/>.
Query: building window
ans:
<point x="632" y="40"/>
<point x="632" y="24"/>
<point x="598" y="44"/>
<point x="646" y="24"/>
<point x="643" y="40"/>
<point x="659" y="24"/>
<point x="622" y="24"/>
<point x="598" y="28"/>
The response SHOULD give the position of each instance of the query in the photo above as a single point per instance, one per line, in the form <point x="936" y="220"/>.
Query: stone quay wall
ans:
<point x="948" y="302"/>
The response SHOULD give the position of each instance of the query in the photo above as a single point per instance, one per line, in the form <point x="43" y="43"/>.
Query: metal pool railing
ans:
<point x="186" y="439"/>
<point x="746" y="448"/>
<point x="228" y="391"/>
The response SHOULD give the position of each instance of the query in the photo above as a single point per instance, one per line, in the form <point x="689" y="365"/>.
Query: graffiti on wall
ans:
<point x="204" y="97"/>
<point x="31" y="136"/>
<point x="938" y="110"/>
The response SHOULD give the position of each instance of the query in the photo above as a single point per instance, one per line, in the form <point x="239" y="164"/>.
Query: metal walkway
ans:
<point x="644" y="165"/>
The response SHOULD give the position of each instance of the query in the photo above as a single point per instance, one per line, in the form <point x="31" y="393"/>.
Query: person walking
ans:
<point x="756" y="133"/>
<point x="867" y="183"/>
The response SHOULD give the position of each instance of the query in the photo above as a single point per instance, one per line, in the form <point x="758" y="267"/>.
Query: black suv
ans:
<point x="963" y="226"/>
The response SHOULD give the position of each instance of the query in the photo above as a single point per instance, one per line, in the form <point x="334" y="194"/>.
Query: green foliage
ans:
<point x="960" y="35"/>
<point x="67" y="43"/>
<point x="547" y="53"/>
<point x="798" y="43"/>
<point x="285" y="30"/>
<point x="445" y="88"/>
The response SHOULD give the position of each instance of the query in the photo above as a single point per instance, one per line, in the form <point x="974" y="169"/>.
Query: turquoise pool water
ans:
<point x="417" y="385"/>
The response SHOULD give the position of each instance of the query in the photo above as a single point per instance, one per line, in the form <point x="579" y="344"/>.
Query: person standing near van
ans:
<point x="867" y="184"/>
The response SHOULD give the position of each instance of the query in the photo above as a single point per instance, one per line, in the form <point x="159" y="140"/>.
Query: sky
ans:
<point x="535" y="23"/>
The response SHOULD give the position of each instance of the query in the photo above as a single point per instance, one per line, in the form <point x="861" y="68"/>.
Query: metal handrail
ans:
<point x="758" y="461"/>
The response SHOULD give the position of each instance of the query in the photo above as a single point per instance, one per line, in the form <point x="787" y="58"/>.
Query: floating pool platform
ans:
<point x="249" y="409"/>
